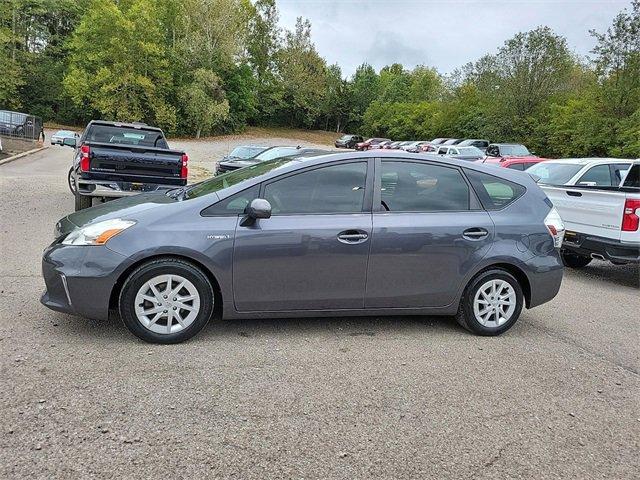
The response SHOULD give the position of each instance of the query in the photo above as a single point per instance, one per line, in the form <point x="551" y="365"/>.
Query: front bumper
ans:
<point x="105" y="188"/>
<point x="613" y="250"/>
<point x="79" y="279"/>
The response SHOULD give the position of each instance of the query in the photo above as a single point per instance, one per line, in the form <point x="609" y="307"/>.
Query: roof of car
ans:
<point x="507" y="144"/>
<point x="124" y="124"/>
<point x="589" y="160"/>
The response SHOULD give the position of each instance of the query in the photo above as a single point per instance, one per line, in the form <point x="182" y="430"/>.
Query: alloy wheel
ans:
<point x="494" y="303"/>
<point x="167" y="304"/>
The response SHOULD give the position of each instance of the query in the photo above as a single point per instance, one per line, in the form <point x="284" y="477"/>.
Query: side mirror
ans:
<point x="69" y="142"/>
<point x="258" y="208"/>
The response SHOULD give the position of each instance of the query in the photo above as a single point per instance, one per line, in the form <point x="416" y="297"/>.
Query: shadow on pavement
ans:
<point x="620" y="275"/>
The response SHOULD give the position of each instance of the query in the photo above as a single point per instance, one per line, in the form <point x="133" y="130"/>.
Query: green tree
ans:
<point x="362" y="89"/>
<point x="204" y="102"/>
<point x="118" y="64"/>
<point x="302" y="73"/>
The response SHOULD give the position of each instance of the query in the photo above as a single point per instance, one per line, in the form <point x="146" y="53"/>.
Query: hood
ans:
<point x="126" y="207"/>
<point x="239" y="163"/>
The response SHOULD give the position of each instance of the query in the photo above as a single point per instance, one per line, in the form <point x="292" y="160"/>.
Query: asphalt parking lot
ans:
<point x="398" y="397"/>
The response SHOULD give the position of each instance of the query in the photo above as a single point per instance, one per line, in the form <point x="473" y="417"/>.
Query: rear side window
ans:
<point x="516" y="166"/>
<point x="494" y="192"/>
<point x="421" y="187"/>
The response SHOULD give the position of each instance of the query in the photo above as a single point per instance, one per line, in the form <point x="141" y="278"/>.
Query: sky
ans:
<point x="437" y="33"/>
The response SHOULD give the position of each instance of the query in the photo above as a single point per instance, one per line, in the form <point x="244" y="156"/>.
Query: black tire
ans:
<point x="71" y="181"/>
<point x="574" y="260"/>
<point x="82" y="202"/>
<point x="164" y="266"/>
<point x="466" y="317"/>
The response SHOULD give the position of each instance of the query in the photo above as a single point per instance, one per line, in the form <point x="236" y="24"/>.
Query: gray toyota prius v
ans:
<point x="371" y="233"/>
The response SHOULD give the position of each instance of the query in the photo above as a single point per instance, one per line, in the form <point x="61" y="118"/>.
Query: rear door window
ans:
<point x="422" y="187"/>
<point x="619" y="171"/>
<point x="599" y="175"/>
<point x="494" y="192"/>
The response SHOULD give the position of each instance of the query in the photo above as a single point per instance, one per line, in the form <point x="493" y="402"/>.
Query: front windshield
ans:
<point x="246" y="152"/>
<point x="514" y="151"/>
<point x="276" y="153"/>
<point x="233" y="177"/>
<point x="554" y="173"/>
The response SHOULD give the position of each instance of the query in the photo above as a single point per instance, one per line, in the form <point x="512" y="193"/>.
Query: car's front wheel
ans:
<point x="167" y="300"/>
<point x="491" y="303"/>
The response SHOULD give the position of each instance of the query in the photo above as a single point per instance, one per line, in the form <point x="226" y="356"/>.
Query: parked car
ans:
<point x="602" y="221"/>
<point x="413" y="147"/>
<point x="591" y="172"/>
<point x="304" y="238"/>
<point x="115" y="159"/>
<point x="383" y="144"/>
<point x="514" y="163"/>
<point x="244" y="152"/>
<point x="268" y="154"/>
<point x="452" y="141"/>
<point x="348" y="141"/>
<point x="474" y="142"/>
<point x="58" y="137"/>
<point x="392" y="145"/>
<point x="472" y="154"/>
<point x="438" y="141"/>
<point x="367" y="144"/>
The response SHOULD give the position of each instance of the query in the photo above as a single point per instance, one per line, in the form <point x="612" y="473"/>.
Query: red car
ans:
<point x="510" y="155"/>
<point x="371" y="143"/>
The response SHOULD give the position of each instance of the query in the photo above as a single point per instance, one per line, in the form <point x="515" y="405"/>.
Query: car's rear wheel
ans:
<point x="491" y="303"/>
<point x="166" y="301"/>
<point x="574" y="260"/>
<point x="82" y="202"/>
<point x="71" y="180"/>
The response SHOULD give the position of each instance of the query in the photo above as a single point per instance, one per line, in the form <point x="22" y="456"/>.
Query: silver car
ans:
<point x="371" y="233"/>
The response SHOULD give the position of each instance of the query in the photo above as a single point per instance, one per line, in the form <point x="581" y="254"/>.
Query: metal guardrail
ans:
<point x="20" y="125"/>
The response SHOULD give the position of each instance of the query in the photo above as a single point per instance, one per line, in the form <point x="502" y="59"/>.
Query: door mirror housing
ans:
<point x="69" y="142"/>
<point x="258" y="208"/>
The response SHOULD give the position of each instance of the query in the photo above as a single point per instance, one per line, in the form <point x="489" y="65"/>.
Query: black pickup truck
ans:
<point x="118" y="159"/>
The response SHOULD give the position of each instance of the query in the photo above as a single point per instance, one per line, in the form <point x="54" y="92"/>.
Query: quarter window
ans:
<point x="495" y="193"/>
<point x="421" y="187"/>
<point x="333" y="189"/>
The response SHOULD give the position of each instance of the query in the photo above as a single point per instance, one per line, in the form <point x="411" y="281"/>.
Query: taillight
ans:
<point x="184" y="172"/>
<point x="630" y="219"/>
<point x="85" y="152"/>
<point x="555" y="226"/>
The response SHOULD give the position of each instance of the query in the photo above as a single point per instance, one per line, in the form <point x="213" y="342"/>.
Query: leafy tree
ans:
<point x="363" y="89"/>
<point x="204" y="102"/>
<point x="302" y="73"/>
<point x="118" y="64"/>
<point x="425" y="84"/>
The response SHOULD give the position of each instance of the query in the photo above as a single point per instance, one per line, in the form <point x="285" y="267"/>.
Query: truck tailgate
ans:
<point x="134" y="164"/>
<point x="590" y="211"/>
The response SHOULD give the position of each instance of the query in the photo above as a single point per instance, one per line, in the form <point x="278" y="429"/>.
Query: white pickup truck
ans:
<point x="602" y="221"/>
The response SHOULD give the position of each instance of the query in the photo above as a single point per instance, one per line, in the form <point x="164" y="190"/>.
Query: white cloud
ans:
<point x="444" y="34"/>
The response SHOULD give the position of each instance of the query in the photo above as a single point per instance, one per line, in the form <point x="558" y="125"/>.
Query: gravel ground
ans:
<point x="396" y="397"/>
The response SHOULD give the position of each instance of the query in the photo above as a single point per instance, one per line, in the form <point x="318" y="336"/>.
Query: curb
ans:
<point x="20" y="155"/>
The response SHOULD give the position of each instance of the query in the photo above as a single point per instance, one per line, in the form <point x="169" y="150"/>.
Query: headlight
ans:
<point x="97" y="233"/>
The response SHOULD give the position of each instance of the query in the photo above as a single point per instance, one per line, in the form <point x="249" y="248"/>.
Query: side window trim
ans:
<point x="368" y="194"/>
<point x="474" y="201"/>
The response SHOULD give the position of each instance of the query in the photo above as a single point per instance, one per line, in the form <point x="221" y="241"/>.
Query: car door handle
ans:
<point x="574" y="194"/>
<point x="352" y="236"/>
<point x="475" y="233"/>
